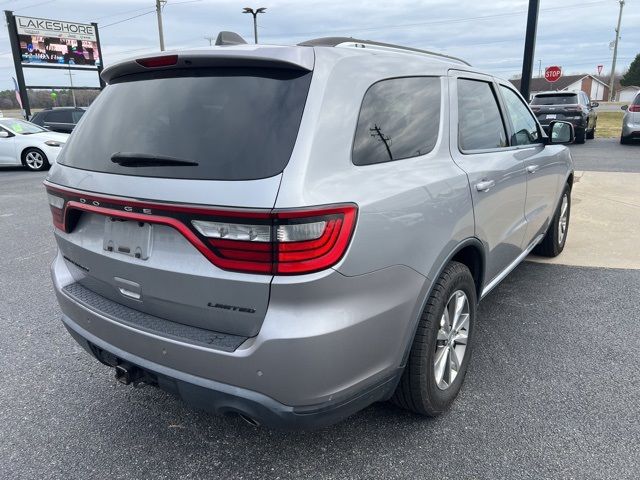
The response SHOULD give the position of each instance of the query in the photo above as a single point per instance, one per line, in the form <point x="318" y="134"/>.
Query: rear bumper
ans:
<point x="329" y="346"/>
<point x="631" y="130"/>
<point x="223" y="399"/>
<point x="577" y="123"/>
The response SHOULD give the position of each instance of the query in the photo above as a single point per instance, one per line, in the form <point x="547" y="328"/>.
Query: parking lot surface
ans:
<point x="553" y="390"/>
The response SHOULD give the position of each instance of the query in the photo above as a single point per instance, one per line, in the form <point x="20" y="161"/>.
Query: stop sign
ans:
<point x="552" y="74"/>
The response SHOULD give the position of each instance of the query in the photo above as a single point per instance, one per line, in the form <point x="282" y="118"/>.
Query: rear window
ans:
<point x="568" y="99"/>
<point x="208" y="124"/>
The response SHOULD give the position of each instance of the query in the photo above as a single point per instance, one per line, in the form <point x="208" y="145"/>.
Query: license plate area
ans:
<point x="127" y="237"/>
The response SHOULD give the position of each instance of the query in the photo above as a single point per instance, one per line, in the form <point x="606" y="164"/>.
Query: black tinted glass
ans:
<point x="58" y="116"/>
<point x="569" y="99"/>
<point x="399" y="118"/>
<point x="637" y="100"/>
<point x="480" y="124"/>
<point x="235" y="124"/>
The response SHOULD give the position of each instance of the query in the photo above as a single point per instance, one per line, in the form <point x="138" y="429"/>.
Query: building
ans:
<point x="595" y="88"/>
<point x="627" y="94"/>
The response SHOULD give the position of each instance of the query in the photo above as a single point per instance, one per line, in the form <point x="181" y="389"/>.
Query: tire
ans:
<point x="592" y="133"/>
<point x="419" y="389"/>
<point x="580" y="135"/>
<point x="35" y="159"/>
<point x="554" y="241"/>
<point x="624" y="140"/>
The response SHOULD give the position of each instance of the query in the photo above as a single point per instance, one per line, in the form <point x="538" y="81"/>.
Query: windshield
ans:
<point x="212" y="124"/>
<point x="21" y="126"/>
<point x="566" y="99"/>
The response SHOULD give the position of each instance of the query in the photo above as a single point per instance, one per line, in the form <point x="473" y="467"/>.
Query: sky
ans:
<point x="572" y="34"/>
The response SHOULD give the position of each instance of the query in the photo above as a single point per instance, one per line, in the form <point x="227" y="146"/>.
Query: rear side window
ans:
<point x="637" y="100"/>
<point x="480" y="125"/>
<point x="561" y="99"/>
<point x="399" y="118"/>
<point x="76" y="115"/>
<point x="208" y="124"/>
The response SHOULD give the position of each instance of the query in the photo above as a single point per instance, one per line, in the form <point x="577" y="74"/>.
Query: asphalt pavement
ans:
<point x="553" y="389"/>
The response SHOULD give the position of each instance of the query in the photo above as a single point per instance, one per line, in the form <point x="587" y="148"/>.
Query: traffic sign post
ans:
<point x="552" y="74"/>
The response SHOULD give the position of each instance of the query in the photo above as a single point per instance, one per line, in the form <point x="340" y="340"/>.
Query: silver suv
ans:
<point x="290" y="234"/>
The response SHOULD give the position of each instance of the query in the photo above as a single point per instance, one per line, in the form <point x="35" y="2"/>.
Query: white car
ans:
<point x="25" y="143"/>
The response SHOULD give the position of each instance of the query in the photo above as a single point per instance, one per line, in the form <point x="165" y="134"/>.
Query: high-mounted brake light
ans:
<point x="154" y="62"/>
<point x="272" y="242"/>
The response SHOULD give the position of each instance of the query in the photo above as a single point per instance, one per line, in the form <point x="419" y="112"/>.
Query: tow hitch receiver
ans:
<point x="127" y="374"/>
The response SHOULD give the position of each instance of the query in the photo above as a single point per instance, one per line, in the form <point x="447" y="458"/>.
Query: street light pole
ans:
<point x="159" y="5"/>
<point x="529" y="47"/>
<point x="255" y="19"/>
<point x="615" y="53"/>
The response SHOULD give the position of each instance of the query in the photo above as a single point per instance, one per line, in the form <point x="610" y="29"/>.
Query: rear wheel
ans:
<point x="441" y="347"/>
<point x="591" y="134"/>
<point x="624" y="140"/>
<point x="581" y="135"/>
<point x="553" y="242"/>
<point x="35" y="159"/>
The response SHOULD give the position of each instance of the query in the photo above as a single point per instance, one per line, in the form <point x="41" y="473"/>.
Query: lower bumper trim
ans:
<point x="224" y="399"/>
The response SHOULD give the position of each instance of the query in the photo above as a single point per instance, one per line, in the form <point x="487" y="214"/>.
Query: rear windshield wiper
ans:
<point x="127" y="159"/>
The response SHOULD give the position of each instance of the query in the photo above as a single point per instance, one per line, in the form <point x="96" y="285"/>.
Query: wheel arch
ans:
<point x="469" y="252"/>
<point x="24" y="151"/>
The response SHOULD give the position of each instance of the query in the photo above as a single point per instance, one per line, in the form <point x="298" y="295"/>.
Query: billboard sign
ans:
<point x="57" y="43"/>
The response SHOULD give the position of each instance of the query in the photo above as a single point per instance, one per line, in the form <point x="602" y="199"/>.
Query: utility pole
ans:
<point x="73" y="92"/>
<point x="615" y="53"/>
<point x="539" y="68"/>
<point x="529" y="47"/>
<point x="211" y="39"/>
<point x="255" y="21"/>
<point x="159" y="5"/>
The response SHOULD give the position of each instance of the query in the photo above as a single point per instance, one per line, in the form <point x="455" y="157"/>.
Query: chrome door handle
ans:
<point x="533" y="168"/>
<point x="485" y="185"/>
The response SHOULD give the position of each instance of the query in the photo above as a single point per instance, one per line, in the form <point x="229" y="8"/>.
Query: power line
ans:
<point x="127" y="19"/>
<point x="435" y="22"/>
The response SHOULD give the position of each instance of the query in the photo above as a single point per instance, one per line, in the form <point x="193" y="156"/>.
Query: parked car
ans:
<point x="294" y="233"/>
<point x="570" y="106"/>
<point x="59" y="119"/>
<point x="23" y="143"/>
<point x="631" y="121"/>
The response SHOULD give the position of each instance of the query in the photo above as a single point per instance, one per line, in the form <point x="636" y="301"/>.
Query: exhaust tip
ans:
<point x="251" y="421"/>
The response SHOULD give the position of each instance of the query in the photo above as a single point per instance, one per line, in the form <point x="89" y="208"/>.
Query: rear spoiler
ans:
<point x="290" y="58"/>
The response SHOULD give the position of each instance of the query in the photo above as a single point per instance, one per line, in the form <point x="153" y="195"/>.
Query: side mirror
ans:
<point x="594" y="104"/>
<point x="5" y="134"/>
<point x="561" y="133"/>
<point x="625" y="107"/>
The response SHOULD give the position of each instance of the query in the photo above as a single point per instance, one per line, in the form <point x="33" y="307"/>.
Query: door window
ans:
<point x="525" y="127"/>
<point x="480" y="125"/>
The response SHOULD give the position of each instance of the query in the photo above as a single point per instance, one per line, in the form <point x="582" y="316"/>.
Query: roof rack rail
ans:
<point x="337" y="41"/>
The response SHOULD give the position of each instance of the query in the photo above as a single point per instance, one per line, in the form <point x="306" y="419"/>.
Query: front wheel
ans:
<point x="35" y="159"/>
<point x="553" y="242"/>
<point x="442" y="345"/>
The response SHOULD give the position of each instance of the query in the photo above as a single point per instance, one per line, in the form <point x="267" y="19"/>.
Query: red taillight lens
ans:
<point x="56" y="204"/>
<point x="634" y="108"/>
<point x="300" y="241"/>
<point x="276" y="242"/>
<point x="154" y="62"/>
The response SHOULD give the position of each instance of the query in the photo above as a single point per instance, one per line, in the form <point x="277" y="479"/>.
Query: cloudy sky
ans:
<point x="573" y="34"/>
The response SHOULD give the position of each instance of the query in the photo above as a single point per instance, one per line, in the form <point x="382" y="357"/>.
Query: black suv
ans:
<point x="569" y="106"/>
<point x="60" y="119"/>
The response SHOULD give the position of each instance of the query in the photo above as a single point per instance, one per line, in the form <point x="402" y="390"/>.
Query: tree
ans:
<point x="632" y="76"/>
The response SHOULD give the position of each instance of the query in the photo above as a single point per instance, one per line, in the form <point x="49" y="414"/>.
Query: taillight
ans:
<point x="575" y="109"/>
<point x="155" y="62"/>
<point x="56" y="205"/>
<point x="272" y="242"/>
<point x="634" y="108"/>
<point x="290" y="242"/>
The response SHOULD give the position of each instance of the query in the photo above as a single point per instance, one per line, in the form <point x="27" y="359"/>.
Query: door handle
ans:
<point x="485" y="185"/>
<point x="532" y="168"/>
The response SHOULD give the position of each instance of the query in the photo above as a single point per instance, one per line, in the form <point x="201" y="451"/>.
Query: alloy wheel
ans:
<point x="451" y="343"/>
<point x="564" y="219"/>
<point x="34" y="160"/>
